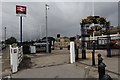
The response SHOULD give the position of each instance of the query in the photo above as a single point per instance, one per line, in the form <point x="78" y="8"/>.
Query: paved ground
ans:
<point x="112" y="64"/>
<point x="59" y="71"/>
<point x="54" y="58"/>
<point x="53" y="65"/>
<point x="6" y="70"/>
<point x="56" y="65"/>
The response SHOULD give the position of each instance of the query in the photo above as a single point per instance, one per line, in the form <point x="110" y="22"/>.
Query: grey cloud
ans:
<point x="63" y="18"/>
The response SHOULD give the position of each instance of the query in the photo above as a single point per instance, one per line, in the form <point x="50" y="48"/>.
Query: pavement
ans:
<point x="56" y="65"/>
<point x="112" y="63"/>
<point x="61" y="71"/>
<point x="5" y="63"/>
<point x="51" y="65"/>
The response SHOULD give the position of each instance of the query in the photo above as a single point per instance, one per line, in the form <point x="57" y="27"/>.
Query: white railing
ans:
<point x="16" y="56"/>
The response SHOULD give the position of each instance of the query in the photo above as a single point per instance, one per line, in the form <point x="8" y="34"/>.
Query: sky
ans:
<point x="63" y="18"/>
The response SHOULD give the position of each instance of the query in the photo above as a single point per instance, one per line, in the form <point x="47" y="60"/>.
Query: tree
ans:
<point x="11" y="40"/>
<point x="58" y="35"/>
<point x="99" y="23"/>
<point x="49" y="39"/>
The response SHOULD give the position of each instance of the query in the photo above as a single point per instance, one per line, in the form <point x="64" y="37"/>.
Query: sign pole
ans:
<point x="20" y="30"/>
<point x="20" y="10"/>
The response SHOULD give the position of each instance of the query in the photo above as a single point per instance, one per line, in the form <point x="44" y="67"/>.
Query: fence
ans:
<point x="16" y="56"/>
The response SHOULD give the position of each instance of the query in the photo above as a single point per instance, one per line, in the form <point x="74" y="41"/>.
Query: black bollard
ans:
<point x="93" y="58"/>
<point x="93" y="54"/>
<point x="76" y="52"/>
<point x="83" y="54"/>
<point x="101" y="70"/>
<point x="68" y="47"/>
<point x="49" y="48"/>
<point x="100" y="59"/>
<point x="106" y="77"/>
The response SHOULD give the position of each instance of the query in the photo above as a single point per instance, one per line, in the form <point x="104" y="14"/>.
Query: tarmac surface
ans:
<point x="51" y="65"/>
<point x="56" y="65"/>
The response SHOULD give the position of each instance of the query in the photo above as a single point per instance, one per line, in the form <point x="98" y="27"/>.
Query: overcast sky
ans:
<point x="63" y="17"/>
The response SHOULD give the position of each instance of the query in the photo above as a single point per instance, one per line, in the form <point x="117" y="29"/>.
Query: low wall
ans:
<point x="115" y="51"/>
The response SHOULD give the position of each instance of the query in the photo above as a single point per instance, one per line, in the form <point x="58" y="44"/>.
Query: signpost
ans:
<point x="20" y="11"/>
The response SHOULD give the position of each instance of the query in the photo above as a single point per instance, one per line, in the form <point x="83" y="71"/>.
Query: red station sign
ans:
<point x="20" y="9"/>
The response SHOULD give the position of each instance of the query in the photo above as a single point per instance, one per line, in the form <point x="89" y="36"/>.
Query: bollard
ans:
<point x="100" y="59"/>
<point x="68" y="47"/>
<point x="106" y="77"/>
<point x="93" y="58"/>
<point x="101" y="70"/>
<point x="49" y="48"/>
<point x="72" y="52"/>
<point x="76" y="52"/>
<point x="93" y="54"/>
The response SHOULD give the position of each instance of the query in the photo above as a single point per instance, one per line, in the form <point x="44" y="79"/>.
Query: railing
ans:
<point x="16" y="56"/>
<point x="20" y="55"/>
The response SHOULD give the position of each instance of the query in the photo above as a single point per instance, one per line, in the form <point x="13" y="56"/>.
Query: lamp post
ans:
<point x="108" y="39"/>
<point x="83" y="40"/>
<point x="5" y="33"/>
<point x="47" y="50"/>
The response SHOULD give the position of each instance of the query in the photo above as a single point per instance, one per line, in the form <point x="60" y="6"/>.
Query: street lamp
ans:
<point x="5" y="33"/>
<point x="108" y="39"/>
<point x="46" y="7"/>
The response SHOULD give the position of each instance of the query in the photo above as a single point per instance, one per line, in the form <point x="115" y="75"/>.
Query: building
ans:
<point x="62" y="42"/>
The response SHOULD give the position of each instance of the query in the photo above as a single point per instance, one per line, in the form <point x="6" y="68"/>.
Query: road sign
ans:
<point x="20" y="9"/>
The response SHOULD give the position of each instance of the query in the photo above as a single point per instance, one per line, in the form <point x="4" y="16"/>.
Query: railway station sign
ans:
<point x="20" y="9"/>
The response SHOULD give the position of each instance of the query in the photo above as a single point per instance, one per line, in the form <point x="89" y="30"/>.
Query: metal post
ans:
<point x="108" y="40"/>
<point x="93" y="35"/>
<point x="5" y="33"/>
<point x="47" y="50"/>
<point x="93" y="54"/>
<point x="76" y="48"/>
<point x="83" y="41"/>
<point x="20" y="30"/>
